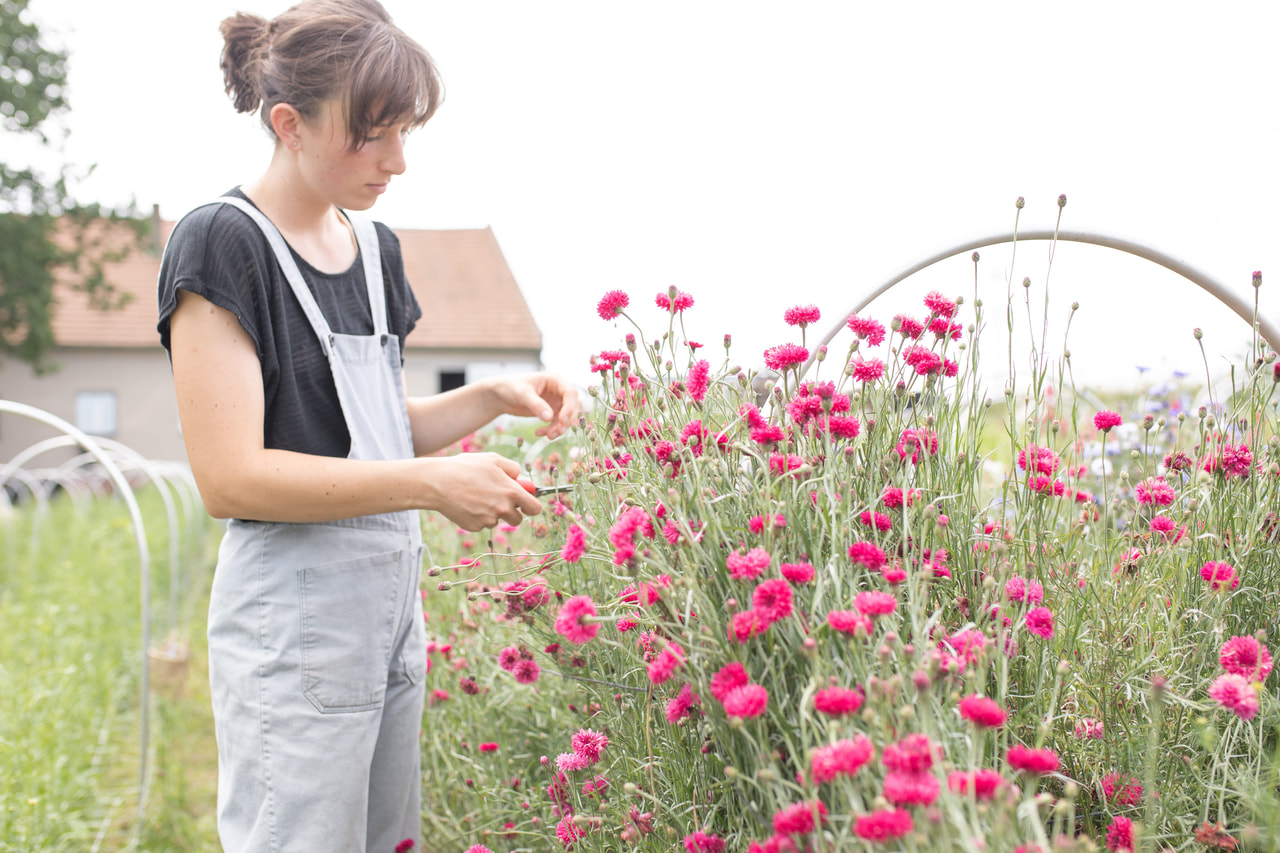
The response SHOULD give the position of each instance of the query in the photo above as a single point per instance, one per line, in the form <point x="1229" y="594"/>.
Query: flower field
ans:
<point x="854" y="603"/>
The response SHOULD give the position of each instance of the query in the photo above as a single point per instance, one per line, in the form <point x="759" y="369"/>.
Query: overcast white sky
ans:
<point x="763" y="155"/>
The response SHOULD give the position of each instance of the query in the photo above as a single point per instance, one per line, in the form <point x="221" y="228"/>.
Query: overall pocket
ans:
<point x="349" y="611"/>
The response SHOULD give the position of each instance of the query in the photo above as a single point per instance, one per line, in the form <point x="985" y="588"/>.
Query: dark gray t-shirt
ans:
<point x="218" y="253"/>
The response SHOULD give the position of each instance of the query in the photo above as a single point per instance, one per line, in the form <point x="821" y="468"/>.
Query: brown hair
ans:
<point x="321" y="50"/>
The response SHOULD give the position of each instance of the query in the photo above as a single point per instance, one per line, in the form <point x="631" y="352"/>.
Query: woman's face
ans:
<point x="349" y="179"/>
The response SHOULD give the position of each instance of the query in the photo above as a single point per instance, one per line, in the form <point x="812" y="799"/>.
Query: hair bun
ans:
<point x="246" y="41"/>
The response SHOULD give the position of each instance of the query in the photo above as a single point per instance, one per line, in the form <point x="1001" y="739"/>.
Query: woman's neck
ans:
<point x="312" y="225"/>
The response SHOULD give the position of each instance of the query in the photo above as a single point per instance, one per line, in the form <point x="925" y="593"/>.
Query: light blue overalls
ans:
<point x="317" y="651"/>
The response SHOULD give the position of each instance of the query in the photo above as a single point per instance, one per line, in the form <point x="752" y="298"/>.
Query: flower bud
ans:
<point x="1019" y="203"/>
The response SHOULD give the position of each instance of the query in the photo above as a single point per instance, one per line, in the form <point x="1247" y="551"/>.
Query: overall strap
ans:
<point x="371" y="255"/>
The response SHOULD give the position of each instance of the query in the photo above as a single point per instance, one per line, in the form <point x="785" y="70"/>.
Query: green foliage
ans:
<point x="32" y="206"/>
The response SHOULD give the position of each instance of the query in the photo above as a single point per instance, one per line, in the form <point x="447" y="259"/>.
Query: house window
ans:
<point x="96" y="412"/>
<point x="450" y="379"/>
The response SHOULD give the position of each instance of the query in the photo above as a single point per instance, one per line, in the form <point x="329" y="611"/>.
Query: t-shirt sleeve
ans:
<point x="217" y="253"/>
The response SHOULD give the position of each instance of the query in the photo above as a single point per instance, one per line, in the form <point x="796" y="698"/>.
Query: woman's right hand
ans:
<point x="479" y="490"/>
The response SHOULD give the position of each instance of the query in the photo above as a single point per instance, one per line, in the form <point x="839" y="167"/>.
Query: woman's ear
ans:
<point x="286" y="122"/>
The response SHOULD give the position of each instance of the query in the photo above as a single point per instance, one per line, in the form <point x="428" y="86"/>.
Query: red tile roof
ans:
<point x="468" y="295"/>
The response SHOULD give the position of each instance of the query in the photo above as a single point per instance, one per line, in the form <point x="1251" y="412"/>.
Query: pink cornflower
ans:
<point x="474" y="848"/>
<point x="673" y="301"/>
<point x="883" y="825"/>
<point x="783" y="356"/>
<point x="780" y="464"/>
<point x="665" y="664"/>
<point x="1233" y="460"/>
<point x="875" y="603"/>
<point x="567" y="762"/>
<point x="797" y="573"/>
<point x="1155" y="491"/>
<point x="574" y="621"/>
<point x="526" y="671"/>
<point x="849" y="622"/>
<point x="698" y="380"/>
<point x="681" y="705"/>
<point x="772" y="600"/>
<point x="867" y="554"/>
<point x="405" y="846"/>
<point x="767" y="434"/>
<point x="983" y="782"/>
<point x="1042" y="460"/>
<point x="1245" y="656"/>
<point x="866" y="329"/>
<point x="730" y="676"/>
<point x="915" y="440"/>
<point x="799" y="818"/>
<point x="701" y="842"/>
<point x="843" y="427"/>
<point x="844" y="757"/>
<point x="1236" y="694"/>
<point x="939" y="304"/>
<point x="509" y="657"/>
<point x="837" y="701"/>
<point x="568" y="832"/>
<point x="749" y="565"/>
<point x="869" y="370"/>
<point x="612" y="304"/>
<point x="1106" y="420"/>
<point x="575" y="544"/>
<point x="1162" y="524"/>
<point x="589" y="744"/>
<point x="759" y="522"/>
<point x="1040" y="622"/>
<point x="1122" y="790"/>
<point x="912" y="754"/>
<point x="1018" y="588"/>
<point x="983" y="712"/>
<point x="911" y="789"/>
<point x="749" y="700"/>
<point x="1039" y="761"/>
<point x="1089" y="729"/>
<point x="746" y="624"/>
<point x="1219" y="576"/>
<point x="1120" y="835"/>
<point x="489" y="746"/>
<point x="802" y="315"/>
<point x="877" y="520"/>
<point x="909" y="327"/>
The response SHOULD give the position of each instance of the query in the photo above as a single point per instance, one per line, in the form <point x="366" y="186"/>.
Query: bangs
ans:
<point x="394" y="81"/>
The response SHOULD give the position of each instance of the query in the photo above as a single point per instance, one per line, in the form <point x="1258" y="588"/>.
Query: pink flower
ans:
<point x="983" y="712"/>
<point x="883" y="825"/>
<point x="802" y="315"/>
<point x="681" y="705"/>
<point x="913" y="754"/>
<point x="701" y="842"/>
<point x="509" y="657"/>
<point x="915" y="440"/>
<point x="1018" y="588"/>
<point x="877" y="520"/>
<point x="478" y="848"/>
<point x="783" y="356"/>
<point x="748" y="565"/>
<point x="1155" y="491"/>
<point x="837" y="701"/>
<point x="911" y="789"/>
<point x="867" y="554"/>
<point x="730" y="676"/>
<point x="1106" y="420"/>
<point x="939" y="304"/>
<point x="567" y="762"/>
<point x="797" y="573"/>
<point x="1122" y="790"/>
<point x="674" y="303"/>
<point x="908" y="327"/>
<point x="844" y="757"/>
<point x="875" y="603"/>
<point x="1042" y="460"/>
<point x="405" y="846"/>
<point x="746" y="624"/>
<point x="574" y="621"/>
<point x="575" y="544"/>
<point x="489" y="746"/>
<point x="1120" y="835"/>
<point x="698" y="380"/>
<point x="849" y="622"/>
<point x="1219" y="576"/>
<point x="983" y="782"/>
<point x="589" y="744"/>
<point x="749" y="700"/>
<point x="772" y="600"/>
<point x="526" y="671"/>
<point x="568" y="832"/>
<point x="869" y="370"/>
<point x="612" y="304"/>
<point x="665" y="663"/>
<point x="1038" y="761"/>
<point x="843" y="427"/>
<point x="866" y="329"/>
<point x="1236" y="694"/>
<point x="1040" y="622"/>
<point x="1089" y="729"/>
<point x="799" y="818"/>
<point x="1245" y="656"/>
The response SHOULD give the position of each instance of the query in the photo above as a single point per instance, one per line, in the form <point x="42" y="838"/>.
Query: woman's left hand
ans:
<point x="539" y="395"/>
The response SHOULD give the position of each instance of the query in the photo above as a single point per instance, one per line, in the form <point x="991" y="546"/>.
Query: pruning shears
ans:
<point x="542" y="491"/>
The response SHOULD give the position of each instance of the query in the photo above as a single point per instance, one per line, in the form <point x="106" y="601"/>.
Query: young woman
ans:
<point x="285" y="317"/>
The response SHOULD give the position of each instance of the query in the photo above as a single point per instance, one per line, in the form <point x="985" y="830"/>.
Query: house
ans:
<point x="113" y="378"/>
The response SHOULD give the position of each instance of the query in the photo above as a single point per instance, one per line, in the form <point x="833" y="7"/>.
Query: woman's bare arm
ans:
<point x="440" y="420"/>
<point x="220" y="402"/>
